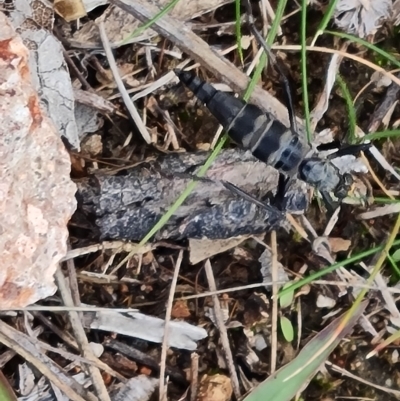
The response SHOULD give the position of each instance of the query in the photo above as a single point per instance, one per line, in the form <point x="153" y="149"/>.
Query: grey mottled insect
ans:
<point x="267" y="138"/>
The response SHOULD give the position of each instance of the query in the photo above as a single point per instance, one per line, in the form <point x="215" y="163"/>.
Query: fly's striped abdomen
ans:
<point x="250" y="127"/>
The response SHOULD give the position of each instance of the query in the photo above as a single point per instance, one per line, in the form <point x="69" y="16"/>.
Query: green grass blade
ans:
<point x="284" y="384"/>
<point x="304" y="69"/>
<point x="385" y="200"/>
<point x="238" y="28"/>
<point x="270" y="40"/>
<point x="6" y="391"/>
<point x="368" y="45"/>
<point x="350" y="108"/>
<point x="329" y="269"/>
<point x="163" y="220"/>
<point x="395" y="268"/>
<point x="287" y="299"/>
<point x="382" y="134"/>
<point x="185" y="193"/>
<point x="325" y="20"/>
<point x="149" y="23"/>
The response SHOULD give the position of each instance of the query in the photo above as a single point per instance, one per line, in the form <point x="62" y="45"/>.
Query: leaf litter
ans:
<point x="241" y="331"/>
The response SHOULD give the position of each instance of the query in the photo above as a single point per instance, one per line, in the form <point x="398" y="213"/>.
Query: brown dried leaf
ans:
<point x="215" y="388"/>
<point x="339" y="244"/>
<point x="180" y="310"/>
<point x="202" y="249"/>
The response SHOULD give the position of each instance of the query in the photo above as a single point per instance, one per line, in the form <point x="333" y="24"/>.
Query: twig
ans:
<point x="375" y="177"/>
<point x="119" y="246"/>
<point x="194" y="376"/>
<point x="342" y="53"/>
<point x="222" y="330"/>
<point x="81" y="338"/>
<point x="73" y="281"/>
<point x="179" y="34"/>
<point x="164" y="348"/>
<point x="275" y="289"/>
<point x="23" y="346"/>
<point x="144" y="359"/>
<point x="113" y="66"/>
<point x="345" y="372"/>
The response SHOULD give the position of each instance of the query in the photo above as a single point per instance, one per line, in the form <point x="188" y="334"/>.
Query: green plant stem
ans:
<point x="238" y="27"/>
<point x="149" y="23"/>
<point x="384" y="252"/>
<point x="329" y="269"/>
<point x="184" y="194"/>
<point x="368" y="45"/>
<point x="325" y="20"/>
<point x="395" y="133"/>
<point x="163" y="220"/>
<point x="304" y="69"/>
<point x="270" y="40"/>
<point x="350" y="108"/>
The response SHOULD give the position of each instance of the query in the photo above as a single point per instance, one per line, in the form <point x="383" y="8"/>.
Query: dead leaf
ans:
<point x="339" y="244"/>
<point x="202" y="249"/>
<point x="180" y="310"/>
<point x="362" y="17"/>
<point x="215" y="388"/>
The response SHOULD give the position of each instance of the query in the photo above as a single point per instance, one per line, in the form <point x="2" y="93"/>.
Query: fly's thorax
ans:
<point x="322" y="174"/>
<point x="279" y="147"/>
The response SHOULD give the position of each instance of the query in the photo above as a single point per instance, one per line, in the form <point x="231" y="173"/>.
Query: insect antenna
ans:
<point x="275" y="62"/>
<point x="250" y="198"/>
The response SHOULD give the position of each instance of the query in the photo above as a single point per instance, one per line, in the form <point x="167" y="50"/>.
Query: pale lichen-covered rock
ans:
<point x="36" y="193"/>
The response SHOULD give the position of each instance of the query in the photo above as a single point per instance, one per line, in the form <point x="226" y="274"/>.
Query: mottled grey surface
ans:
<point x="128" y="205"/>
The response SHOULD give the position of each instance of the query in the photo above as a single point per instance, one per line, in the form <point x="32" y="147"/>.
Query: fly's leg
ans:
<point x="350" y="150"/>
<point x="275" y="63"/>
<point x="329" y="203"/>
<point x="279" y="199"/>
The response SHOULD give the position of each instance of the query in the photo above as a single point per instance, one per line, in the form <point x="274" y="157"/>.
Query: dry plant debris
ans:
<point x="362" y="17"/>
<point x="193" y="314"/>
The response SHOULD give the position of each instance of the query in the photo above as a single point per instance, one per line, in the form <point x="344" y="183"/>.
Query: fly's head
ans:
<point x="344" y="186"/>
<point x="326" y="177"/>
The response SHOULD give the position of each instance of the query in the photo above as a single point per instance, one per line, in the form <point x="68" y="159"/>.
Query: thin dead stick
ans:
<point x="345" y="372"/>
<point x="164" y="348"/>
<point x="79" y="359"/>
<point x="117" y="246"/>
<point x="202" y="295"/>
<point x="194" y="376"/>
<point x="343" y="54"/>
<point x="180" y="34"/>
<point x="23" y="346"/>
<point x="222" y="330"/>
<point x="121" y="87"/>
<point x="275" y="289"/>
<point x="81" y="338"/>
<point x="375" y="177"/>
<point x="73" y="281"/>
<point x="297" y="227"/>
